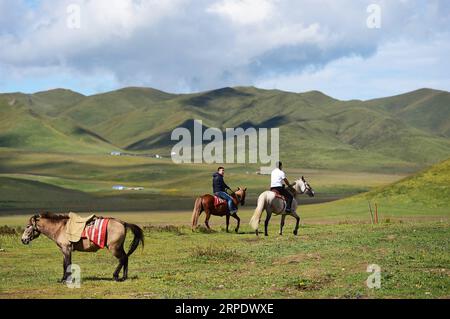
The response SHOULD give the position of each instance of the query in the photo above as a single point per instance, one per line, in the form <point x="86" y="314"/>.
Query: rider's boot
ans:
<point x="288" y="208"/>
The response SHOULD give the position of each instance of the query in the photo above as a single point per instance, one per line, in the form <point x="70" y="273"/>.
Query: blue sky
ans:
<point x="196" y="45"/>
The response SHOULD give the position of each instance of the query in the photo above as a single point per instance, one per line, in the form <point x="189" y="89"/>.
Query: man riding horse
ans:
<point x="278" y="183"/>
<point x="212" y="206"/>
<point x="220" y="188"/>
<point x="273" y="203"/>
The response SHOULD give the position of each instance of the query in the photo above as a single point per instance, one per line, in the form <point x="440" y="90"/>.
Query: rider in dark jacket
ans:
<point x="220" y="187"/>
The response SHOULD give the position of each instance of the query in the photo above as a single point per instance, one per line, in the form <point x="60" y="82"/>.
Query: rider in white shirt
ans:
<point x="278" y="183"/>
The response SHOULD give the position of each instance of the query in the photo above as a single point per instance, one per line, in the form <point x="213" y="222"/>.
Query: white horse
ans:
<point x="274" y="205"/>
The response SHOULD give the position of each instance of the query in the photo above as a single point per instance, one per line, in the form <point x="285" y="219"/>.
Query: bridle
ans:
<point x="239" y="198"/>
<point x="35" y="230"/>
<point x="307" y="188"/>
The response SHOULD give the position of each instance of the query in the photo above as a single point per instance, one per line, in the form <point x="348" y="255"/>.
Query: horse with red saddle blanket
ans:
<point x="74" y="233"/>
<point x="213" y="205"/>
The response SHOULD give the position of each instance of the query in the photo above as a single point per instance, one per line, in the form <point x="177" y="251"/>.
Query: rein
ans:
<point x="237" y="197"/>
<point x="33" y="225"/>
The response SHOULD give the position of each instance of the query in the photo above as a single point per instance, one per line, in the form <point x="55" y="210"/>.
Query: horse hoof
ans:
<point x="295" y="233"/>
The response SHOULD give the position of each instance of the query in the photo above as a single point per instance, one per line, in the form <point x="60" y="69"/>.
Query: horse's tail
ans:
<point x="198" y="208"/>
<point x="138" y="237"/>
<point x="254" y="222"/>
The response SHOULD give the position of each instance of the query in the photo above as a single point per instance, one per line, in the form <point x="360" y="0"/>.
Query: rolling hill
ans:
<point x="400" y="133"/>
<point x="424" y="195"/>
<point x="21" y="127"/>
<point x="430" y="187"/>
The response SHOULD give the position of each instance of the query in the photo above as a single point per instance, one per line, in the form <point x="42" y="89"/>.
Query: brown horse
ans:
<point x="53" y="226"/>
<point x="206" y="203"/>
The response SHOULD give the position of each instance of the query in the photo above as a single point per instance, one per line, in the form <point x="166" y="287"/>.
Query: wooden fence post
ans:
<point x="376" y="213"/>
<point x="371" y="214"/>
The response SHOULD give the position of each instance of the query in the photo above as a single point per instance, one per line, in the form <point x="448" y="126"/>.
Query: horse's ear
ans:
<point x="245" y="189"/>
<point x="239" y="188"/>
<point x="303" y="178"/>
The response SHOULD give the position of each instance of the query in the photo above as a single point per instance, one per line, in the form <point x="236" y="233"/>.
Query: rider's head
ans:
<point x="279" y="165"/>
<point x="221" y="170"/>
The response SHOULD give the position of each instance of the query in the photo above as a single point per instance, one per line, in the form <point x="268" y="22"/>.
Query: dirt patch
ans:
<point x="215" y="253"/>
<point x="297" y="259"/>
<point x="312" y="284"/>
<point x="252" y="239"/>
<point x="204" y="230"/>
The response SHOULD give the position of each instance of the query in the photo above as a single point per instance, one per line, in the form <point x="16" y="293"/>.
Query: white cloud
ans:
<point x="389" y="72"/>
<point x="190" y="45"/>
<point x="244" y="12"/>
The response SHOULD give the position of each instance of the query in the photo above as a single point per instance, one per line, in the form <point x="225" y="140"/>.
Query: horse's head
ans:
<point x="31" y="230"/>
<point x="301" y="186"/>
<point x="240" y="195"/>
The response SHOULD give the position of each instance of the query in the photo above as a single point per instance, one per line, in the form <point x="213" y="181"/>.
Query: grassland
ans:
<point x="59" y="181"/>
<point x="329" y="258"/>
<point x="325" y="261"/>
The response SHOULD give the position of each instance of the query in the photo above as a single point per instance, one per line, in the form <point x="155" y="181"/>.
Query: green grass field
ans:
<point x="81" y="182"/>
<point x="328" y="259"/>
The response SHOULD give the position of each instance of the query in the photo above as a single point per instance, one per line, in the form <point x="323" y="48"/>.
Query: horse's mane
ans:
<point x="54" y="217"/>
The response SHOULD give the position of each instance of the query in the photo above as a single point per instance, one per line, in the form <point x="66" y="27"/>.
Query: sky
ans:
<point x="345" y="48"/>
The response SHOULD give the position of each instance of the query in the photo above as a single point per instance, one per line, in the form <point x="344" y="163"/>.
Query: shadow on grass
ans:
<point x="246" y="233"/>
<point x="93" y="278"/>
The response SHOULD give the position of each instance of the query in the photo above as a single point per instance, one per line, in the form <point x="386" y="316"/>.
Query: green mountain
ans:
<point x="403" y="132"/>
<point x="424" y="109"/>
<point x="23" y="127"/>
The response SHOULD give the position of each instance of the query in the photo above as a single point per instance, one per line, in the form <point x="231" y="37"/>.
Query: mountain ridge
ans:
<point x="408" y="129"/>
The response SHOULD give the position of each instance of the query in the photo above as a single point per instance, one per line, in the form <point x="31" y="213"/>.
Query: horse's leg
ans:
<point x="283" y="217"/>
<point x="297" y="218"/>
<point x="266" y="223"/>
<point x="208" y="216"/>
<point x="67" y="260"/>
<point x="120" y="254"/>
<point x="238" y="222"/>
<point x="228" y="221"/>
<point x="125" y="268"/>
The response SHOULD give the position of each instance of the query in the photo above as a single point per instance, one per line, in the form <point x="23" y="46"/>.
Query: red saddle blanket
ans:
<point x="96" y="232"/>
<point x="219" y="201"/>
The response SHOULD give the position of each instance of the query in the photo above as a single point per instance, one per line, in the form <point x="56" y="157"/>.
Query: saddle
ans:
<point x="219" y="201"/>
<point x="75" y="226"/>
<point x="278" y="195"/>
